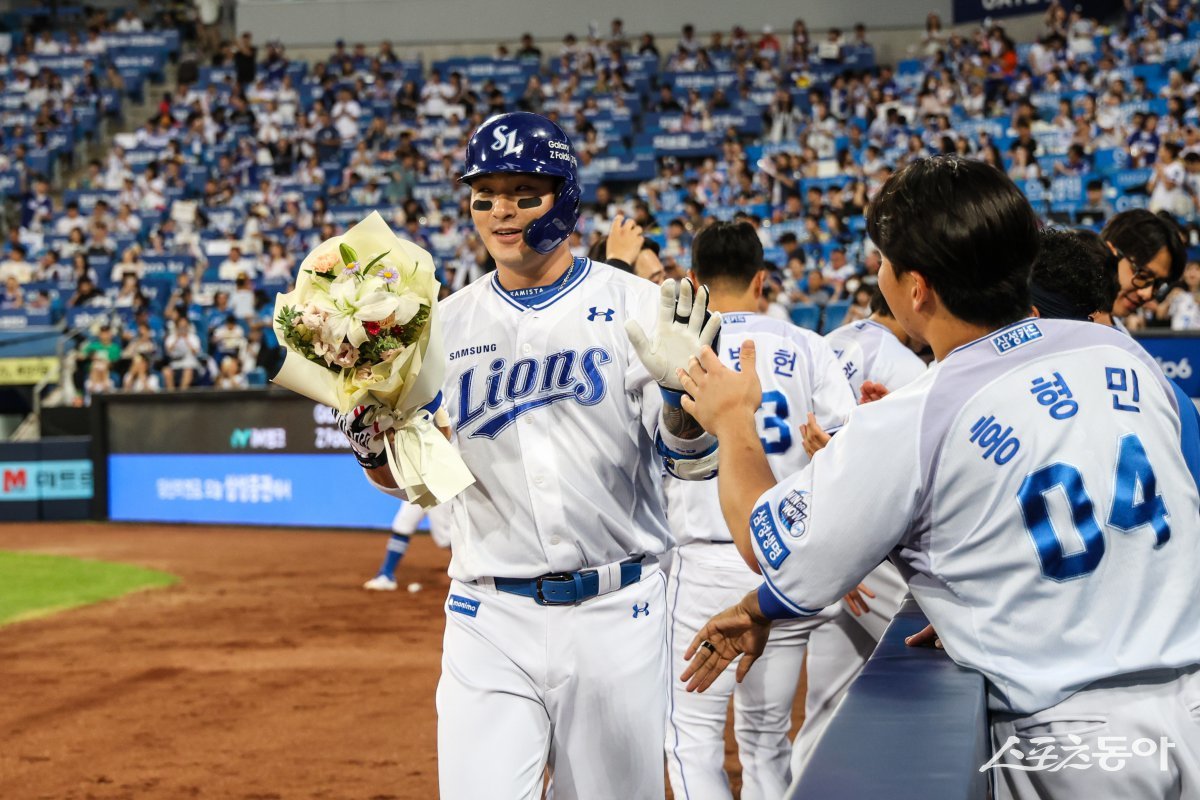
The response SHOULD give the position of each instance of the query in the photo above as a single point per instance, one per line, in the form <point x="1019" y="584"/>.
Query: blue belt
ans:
<point x="566" y="588"/>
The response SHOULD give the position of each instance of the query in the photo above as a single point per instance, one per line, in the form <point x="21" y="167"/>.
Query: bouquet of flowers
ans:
<point x="362" y="328"/>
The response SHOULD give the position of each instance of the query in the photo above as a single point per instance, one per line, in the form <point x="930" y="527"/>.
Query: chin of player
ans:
<point x="1126" y="305"/>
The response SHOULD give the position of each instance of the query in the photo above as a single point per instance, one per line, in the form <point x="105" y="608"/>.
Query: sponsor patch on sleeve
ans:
<point x="793" y="512"/>
<point x="463" y="605"/>
<point x="1014" y="338"/>
<point x="762" y="526"/>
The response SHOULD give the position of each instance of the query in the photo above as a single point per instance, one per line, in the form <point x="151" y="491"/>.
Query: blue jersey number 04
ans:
<point x="1126" y="514"/>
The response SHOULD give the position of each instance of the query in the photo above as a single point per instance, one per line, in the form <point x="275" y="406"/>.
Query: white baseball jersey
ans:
<point x="1033" y="489"/>
<point x="869" y="351"/>
<point x="555" y="416"/>
<point x="799" y="374"/>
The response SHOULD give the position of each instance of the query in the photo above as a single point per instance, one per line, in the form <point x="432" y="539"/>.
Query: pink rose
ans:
<point x="324" y="263"/>
<point x="346" y="355"/>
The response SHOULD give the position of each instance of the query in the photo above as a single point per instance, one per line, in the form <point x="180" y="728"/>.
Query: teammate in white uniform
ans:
<point x="873" y="350"/>
<point x="1031" y="485"/>
<point x="404" y="524"/>
<point x="800" y="375"/>
<point x="555" y="647"/>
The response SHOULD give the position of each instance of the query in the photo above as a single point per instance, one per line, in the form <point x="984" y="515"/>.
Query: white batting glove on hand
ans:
<point x="366" y="427"/>
<point x="680" y="333"/>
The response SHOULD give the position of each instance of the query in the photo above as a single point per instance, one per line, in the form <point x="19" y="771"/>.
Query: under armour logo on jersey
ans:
<point x="506" y="140"/>
<point x="607" y="313"/>
<point x="643" y="609"/>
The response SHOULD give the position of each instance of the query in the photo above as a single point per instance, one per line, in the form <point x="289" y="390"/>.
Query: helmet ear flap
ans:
<point x="554" y="227"/>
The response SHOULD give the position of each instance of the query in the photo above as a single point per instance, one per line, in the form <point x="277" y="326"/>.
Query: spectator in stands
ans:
<point x="528" y="51"/>
<point x="141" y="343"/>
<point x="183" y="350"/>
<point x="13" y="297"/>
<point x="245" y="66"/>
<point x="17" y="266"/>
<point x="933" y="41"/>
<point x="129" y="293"/>
<point x="1168" y="185"/>
<point x="130" y="22"/>
<point x="236" y="264"/>
<point x="230" y="375"/>
<point x="99" y="380"/>
<point x="860" y="306"/>
<point x="71" y="221"/>
<point x="1182" y="305"/>
<point x="227" y="339"/>
<point x="131" y="263"/>
<point x="103" y="345"/>
<point x="139" y="378"/>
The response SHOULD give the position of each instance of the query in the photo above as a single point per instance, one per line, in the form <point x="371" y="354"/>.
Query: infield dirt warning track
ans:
<point x="266" y="673"/>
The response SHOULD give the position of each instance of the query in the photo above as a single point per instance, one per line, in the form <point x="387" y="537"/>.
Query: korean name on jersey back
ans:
<point x="505" y="392"/>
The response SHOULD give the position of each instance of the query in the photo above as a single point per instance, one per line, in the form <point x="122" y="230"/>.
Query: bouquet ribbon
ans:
<point x="424" y="464"/>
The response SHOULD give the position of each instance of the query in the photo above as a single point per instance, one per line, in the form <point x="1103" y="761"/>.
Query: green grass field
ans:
<point x="34" y="585"/>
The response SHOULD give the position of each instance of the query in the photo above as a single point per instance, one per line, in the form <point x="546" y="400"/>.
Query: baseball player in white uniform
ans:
<point x="404" y="524"/>
<point x="874" y="350"/>
<point x="555" y="647"/>
<point x="799" y="376"/>
<point x="1030" y="485"/>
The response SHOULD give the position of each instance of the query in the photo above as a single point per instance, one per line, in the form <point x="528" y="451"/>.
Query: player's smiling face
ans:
<point x="502" y="206"/>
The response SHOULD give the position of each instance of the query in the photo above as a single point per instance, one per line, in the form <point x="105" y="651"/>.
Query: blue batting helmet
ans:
<point x="531" y="144"/>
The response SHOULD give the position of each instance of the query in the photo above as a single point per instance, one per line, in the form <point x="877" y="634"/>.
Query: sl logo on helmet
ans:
<point x="793" y="511"/>
<point x="506" y="140"/>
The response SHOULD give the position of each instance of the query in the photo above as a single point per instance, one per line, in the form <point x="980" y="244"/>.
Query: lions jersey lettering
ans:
<point x="555" y="416"/>
<point x="799" y="373"/>
<point x="560" y="376"/>
<point x="1027" y="502"/>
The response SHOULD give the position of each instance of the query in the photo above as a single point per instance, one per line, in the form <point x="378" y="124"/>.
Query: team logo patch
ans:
<point x="793" y="512"/>
<point x="1016" y="337"/>
<point x="463" y="605"/>
<point x="766" y="534"/>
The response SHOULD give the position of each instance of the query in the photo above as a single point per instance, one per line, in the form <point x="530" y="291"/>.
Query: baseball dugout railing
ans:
<point x="912" y="726"/>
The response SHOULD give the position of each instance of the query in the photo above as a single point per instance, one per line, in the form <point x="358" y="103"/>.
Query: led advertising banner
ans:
<point x="240" y="458"/>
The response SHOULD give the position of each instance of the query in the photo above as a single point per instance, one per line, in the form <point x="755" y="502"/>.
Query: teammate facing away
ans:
<point x="800" y="375"/>
<point x="554" y="653"/>
<point x="1031" y="487"/>
<point x="874" y="352"/>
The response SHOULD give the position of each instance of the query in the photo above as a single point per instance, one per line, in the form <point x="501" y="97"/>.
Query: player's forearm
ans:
<point x="679" y="423"/>
<point x="745" y="474"/>
<point x="381" y="477"/>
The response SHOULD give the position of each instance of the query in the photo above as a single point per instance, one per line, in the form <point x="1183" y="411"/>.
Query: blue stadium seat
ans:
<point x="806" y="315"/>
<point x="835" y="315"/>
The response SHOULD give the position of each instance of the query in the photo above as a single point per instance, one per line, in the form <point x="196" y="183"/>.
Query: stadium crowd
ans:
<point x="165" y="254"/>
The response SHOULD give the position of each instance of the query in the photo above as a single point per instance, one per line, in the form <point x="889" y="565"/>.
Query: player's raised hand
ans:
<point x="365" y="427"/>
<point x="718" y="395"/>
<point x="814" y="436"/>
<point x="679" y="335"/>
<point x="872" y="391"/>
<point x="625" y="239"/>
<point x="735" y="631"/>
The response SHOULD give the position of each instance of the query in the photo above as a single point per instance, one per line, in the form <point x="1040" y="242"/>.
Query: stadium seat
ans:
<point x="835" y="315"/>
<point x="806" y="315"/>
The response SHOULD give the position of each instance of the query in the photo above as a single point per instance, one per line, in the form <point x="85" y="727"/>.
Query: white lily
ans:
<point x="351" y="303"/>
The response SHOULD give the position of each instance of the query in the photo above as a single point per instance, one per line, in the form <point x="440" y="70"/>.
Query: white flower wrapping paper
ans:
<point x="427" y="467"/>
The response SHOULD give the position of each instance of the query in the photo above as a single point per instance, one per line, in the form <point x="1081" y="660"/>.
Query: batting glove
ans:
<point x="683" y="328"/>
<point x="365" y="427"/>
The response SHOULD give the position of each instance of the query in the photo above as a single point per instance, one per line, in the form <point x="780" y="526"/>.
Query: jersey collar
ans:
<point x="582" y="267"/>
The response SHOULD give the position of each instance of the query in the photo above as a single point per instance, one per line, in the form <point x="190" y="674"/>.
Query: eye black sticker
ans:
<point x="529" y="202"/>
<point x="481" y="205"/>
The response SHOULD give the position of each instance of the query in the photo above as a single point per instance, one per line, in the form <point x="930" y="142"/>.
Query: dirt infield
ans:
<point x="265" y="674"/>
